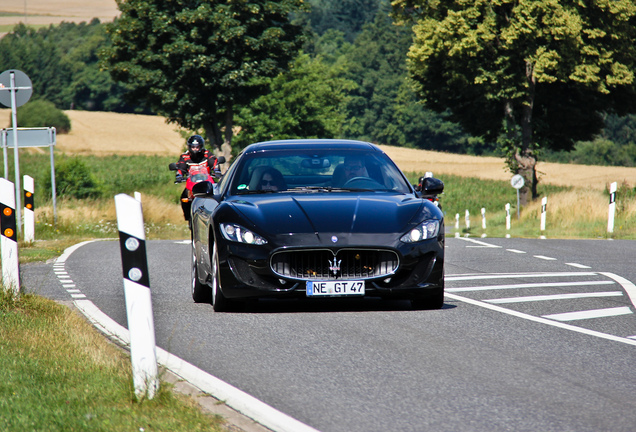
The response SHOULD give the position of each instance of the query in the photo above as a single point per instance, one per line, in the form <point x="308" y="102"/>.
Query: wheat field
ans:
<point x="105" y="133"/>
<point x="46" y="12"/>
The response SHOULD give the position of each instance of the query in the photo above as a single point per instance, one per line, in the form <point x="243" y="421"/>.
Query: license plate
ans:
<point x="338" y="288"/>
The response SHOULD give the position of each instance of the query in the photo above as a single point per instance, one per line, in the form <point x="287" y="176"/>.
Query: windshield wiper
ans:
<point x="253" y="192"/>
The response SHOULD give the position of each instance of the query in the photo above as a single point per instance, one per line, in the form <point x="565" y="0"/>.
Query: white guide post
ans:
<point x="132" y="242"/>
<point x="29" y="209"/>
<point x="507" y="220"/>
<point x="457" y="221"/>
<point x="483" y="217"/>
<point x="544" y="204"/>
<point x="612" y="208"/>
<point x="467" y="219"/>
<point x="9" y="240"/>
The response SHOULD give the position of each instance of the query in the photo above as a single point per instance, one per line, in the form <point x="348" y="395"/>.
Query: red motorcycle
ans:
<point x="196" y="174"/>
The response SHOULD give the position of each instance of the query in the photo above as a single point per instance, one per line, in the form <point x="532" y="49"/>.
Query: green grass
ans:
<point x="57" y="373"/>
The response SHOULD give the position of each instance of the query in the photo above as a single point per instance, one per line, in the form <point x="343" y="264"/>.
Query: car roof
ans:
<point x="303" y="144"/>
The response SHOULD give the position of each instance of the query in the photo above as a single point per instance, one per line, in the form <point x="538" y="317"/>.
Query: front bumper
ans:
<point x="245" y="273"/>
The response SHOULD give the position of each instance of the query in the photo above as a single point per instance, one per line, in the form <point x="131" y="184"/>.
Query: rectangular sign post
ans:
<point x="132" y="242"/>
<point x="29" y="209"/>
<point x="612" y="208"/>
<point x="32" y="137"/>
<point x="9" y="238"/>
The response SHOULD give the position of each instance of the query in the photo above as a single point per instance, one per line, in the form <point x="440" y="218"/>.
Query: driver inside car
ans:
<point x="354" y="167"/>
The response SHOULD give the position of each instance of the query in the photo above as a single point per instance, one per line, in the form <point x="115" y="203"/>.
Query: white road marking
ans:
<point x="629" y="287"/>
<point x="530" y="285"/>
<point x="515" y="251"/>
<point x="480" y="243"/>
<point x="78" y="296"/>
<point x="542" y="320"/>
<point x="581" y="266"/>
<point x="589" y="314"/>
<point x="518" y="275"/>
<point x="545" y="258"/>
<point x="555" y="297"/>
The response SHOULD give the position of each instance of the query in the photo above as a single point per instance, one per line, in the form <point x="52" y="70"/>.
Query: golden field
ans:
<point x="104" y="133"/>
<point x="45" y="12"/>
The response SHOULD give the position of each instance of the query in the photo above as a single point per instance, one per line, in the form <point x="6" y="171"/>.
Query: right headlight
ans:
<point x="425" y="230"/>
<point x="237" y="233"/>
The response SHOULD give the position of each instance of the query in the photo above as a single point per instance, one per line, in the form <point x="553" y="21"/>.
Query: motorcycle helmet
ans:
<point x="196" y="145"/>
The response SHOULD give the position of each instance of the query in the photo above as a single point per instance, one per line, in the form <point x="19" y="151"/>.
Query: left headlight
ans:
<point x="237" y="233"/>
<point x="425" y="230"/>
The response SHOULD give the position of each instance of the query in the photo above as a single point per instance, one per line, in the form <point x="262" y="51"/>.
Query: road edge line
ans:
<point x="231" y="396"/>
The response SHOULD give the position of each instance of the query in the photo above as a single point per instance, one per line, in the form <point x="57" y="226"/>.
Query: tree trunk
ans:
<point x="525" y="156"/>
<point x="226" y="148"/>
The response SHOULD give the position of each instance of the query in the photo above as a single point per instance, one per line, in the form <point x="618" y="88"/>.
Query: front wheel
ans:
<point x="219" y="302"/>
<point x="201" y="293"/>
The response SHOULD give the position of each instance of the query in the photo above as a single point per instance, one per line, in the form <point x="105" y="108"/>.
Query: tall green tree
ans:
<point x="193" y="61"/>
<point x="308" y="101"/>
<point x="532" y="73"/>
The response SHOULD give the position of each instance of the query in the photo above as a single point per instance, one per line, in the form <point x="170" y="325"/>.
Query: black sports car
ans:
<point x="316" y="218"/>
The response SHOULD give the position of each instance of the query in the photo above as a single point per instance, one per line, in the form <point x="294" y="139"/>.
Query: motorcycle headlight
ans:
<point x="424" y="231"/>
<point x="237" y="233"/>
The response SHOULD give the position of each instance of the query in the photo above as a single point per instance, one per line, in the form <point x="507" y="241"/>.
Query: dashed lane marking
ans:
<point x="545" y="258"/>
<point x="581" y="266"/>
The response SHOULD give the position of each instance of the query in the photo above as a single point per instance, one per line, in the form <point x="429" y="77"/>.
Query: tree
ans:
<point x="193" y="61"/>
<point x="62" y="63"/>
<point x="532" y="73"/>
<point x="308" y="101"/>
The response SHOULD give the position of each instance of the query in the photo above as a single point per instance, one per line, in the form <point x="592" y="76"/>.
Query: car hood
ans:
<point x="324" y="215"/>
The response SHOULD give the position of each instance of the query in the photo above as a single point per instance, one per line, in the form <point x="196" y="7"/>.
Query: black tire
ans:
<point x="433" y="301"/>
<point x="219" y="302"/>
<point x="201" y="293"/>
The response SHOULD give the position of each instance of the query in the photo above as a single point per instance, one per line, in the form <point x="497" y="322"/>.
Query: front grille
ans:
<point x="346" y="264"/>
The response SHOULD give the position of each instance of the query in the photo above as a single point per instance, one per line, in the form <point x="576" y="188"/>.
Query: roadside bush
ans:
<point x="73" y="179"/>
<point x="42" y="113"/>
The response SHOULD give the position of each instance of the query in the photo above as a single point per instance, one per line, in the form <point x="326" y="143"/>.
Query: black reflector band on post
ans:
<point x="133" y="257"/>
<point x="612" y="197"/>
<point x="8" y="223"/>
<point x="28" y="200"/>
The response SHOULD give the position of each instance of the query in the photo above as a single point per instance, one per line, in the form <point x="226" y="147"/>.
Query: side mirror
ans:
<point x="220" y="160"/>
<point x="172" y="166"/>
<point x="203" y="188"/>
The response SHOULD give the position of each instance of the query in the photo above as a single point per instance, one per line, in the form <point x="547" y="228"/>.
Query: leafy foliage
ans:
<point x="74" y="179"/>
<point x="62" y="63"/>
<point x="41" y="113"/>
<point x="309" y="101"/>
<point x="194" y="61"/>
<point x="345" y="16"/>
<point x="538" y="73"/>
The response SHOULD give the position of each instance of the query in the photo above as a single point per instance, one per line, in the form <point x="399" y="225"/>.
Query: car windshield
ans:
<point x="307" y="170"/>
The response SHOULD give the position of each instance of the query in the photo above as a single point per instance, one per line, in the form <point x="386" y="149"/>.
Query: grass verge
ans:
<point x="57" y="373"/>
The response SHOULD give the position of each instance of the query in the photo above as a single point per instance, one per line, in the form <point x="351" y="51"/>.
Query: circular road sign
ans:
<point x="22" y="95"/>
<point x="517" y="181"/>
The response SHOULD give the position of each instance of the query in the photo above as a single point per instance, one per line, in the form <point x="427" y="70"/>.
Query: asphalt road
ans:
<point x="506" y="353"/>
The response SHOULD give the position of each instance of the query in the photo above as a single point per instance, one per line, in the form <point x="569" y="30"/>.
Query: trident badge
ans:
<point x="334" y="266"/>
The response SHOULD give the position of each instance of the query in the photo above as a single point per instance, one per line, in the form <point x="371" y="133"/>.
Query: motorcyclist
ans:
<point x="195" y="154"/>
